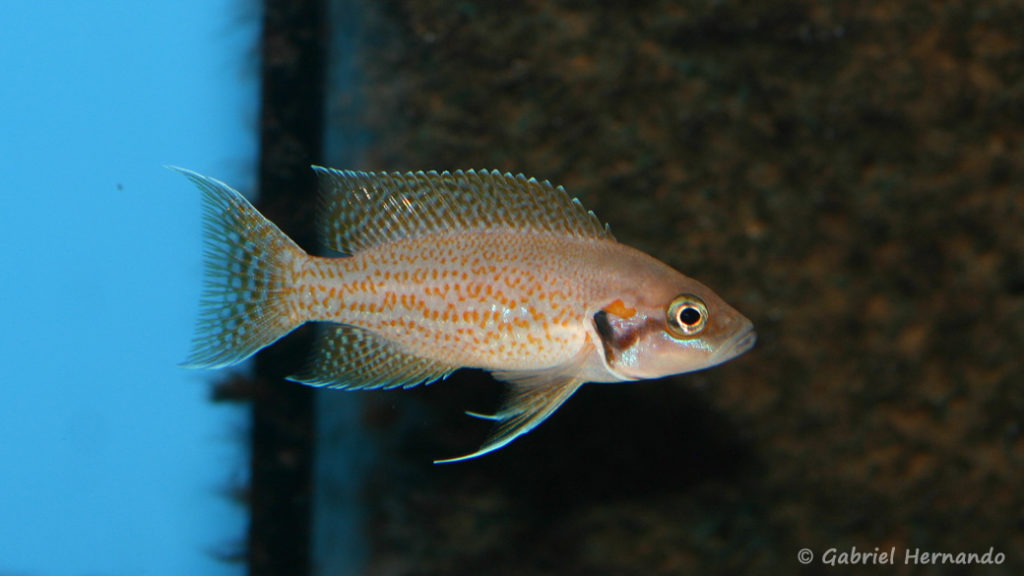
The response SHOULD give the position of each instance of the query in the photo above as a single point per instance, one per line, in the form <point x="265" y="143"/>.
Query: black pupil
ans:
<point x="689" y="316"/>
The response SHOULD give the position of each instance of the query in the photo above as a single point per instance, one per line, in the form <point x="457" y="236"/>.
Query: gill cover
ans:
<point x="655" y="342"/>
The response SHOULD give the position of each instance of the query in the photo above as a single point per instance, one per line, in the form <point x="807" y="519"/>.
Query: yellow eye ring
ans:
<point x="687" y="316"/>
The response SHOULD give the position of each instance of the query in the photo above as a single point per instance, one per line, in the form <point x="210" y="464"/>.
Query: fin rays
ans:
<point x="525" y="408"/>
<point x="363" y="209"/>
<point x="531" y="398"/>
<point x="351" y="358"/>
<point x="246" y="257"/>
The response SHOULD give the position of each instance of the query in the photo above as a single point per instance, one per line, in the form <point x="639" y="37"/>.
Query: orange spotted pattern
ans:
<point x="501" y="300"/>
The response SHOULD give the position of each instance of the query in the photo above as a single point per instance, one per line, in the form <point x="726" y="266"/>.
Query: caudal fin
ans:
<point x="246" y="278"/>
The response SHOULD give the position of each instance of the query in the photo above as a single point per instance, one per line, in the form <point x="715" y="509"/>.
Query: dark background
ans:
<point x="847" y="174"/>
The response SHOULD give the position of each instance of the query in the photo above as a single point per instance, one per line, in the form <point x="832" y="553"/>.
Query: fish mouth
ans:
<point x="740" y="344"/>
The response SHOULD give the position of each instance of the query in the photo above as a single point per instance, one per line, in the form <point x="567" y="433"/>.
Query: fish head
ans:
<point x="671" y="325"/>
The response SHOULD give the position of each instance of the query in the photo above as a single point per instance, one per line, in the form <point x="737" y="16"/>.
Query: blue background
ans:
<point x="113" y="460"/>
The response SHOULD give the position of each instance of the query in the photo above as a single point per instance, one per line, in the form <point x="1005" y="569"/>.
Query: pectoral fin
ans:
<point x="532" y="396"/>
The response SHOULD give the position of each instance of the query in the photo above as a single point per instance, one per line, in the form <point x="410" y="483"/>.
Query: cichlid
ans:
<point x="441" y="271"/>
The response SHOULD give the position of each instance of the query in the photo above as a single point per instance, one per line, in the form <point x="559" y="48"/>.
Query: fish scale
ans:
<point x="475" y="308"/>
<point x="441" y="271"/>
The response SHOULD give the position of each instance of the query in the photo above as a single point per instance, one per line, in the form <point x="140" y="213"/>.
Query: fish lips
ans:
<point x="741" y="343"/>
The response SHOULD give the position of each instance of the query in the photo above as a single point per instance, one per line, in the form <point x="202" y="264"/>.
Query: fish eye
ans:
<point x="687" y="316"/>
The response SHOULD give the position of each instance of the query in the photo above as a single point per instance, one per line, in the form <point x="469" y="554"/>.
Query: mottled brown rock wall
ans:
<point x="849" y="175"/>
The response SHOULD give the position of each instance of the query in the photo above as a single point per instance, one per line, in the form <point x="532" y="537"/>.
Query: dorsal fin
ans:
<point x="363" y="209"/>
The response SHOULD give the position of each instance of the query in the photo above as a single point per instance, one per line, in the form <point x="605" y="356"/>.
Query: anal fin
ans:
<point x="531" y="398"/>
<point x="352" y="358"/>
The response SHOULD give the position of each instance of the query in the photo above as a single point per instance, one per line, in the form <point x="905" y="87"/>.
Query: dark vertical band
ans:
<point x="291" y="135"/>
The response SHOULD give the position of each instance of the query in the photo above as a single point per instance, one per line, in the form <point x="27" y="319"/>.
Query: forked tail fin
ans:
<point x="247" y="265"/>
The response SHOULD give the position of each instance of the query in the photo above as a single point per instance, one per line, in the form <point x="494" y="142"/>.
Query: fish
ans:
<point x="437" y="271"/>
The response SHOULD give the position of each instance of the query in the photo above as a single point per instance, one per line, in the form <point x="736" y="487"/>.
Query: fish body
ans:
<point x="450" y="270"/>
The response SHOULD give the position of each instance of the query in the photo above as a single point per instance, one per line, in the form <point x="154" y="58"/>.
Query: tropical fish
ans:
<point x="439" y="271"/>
